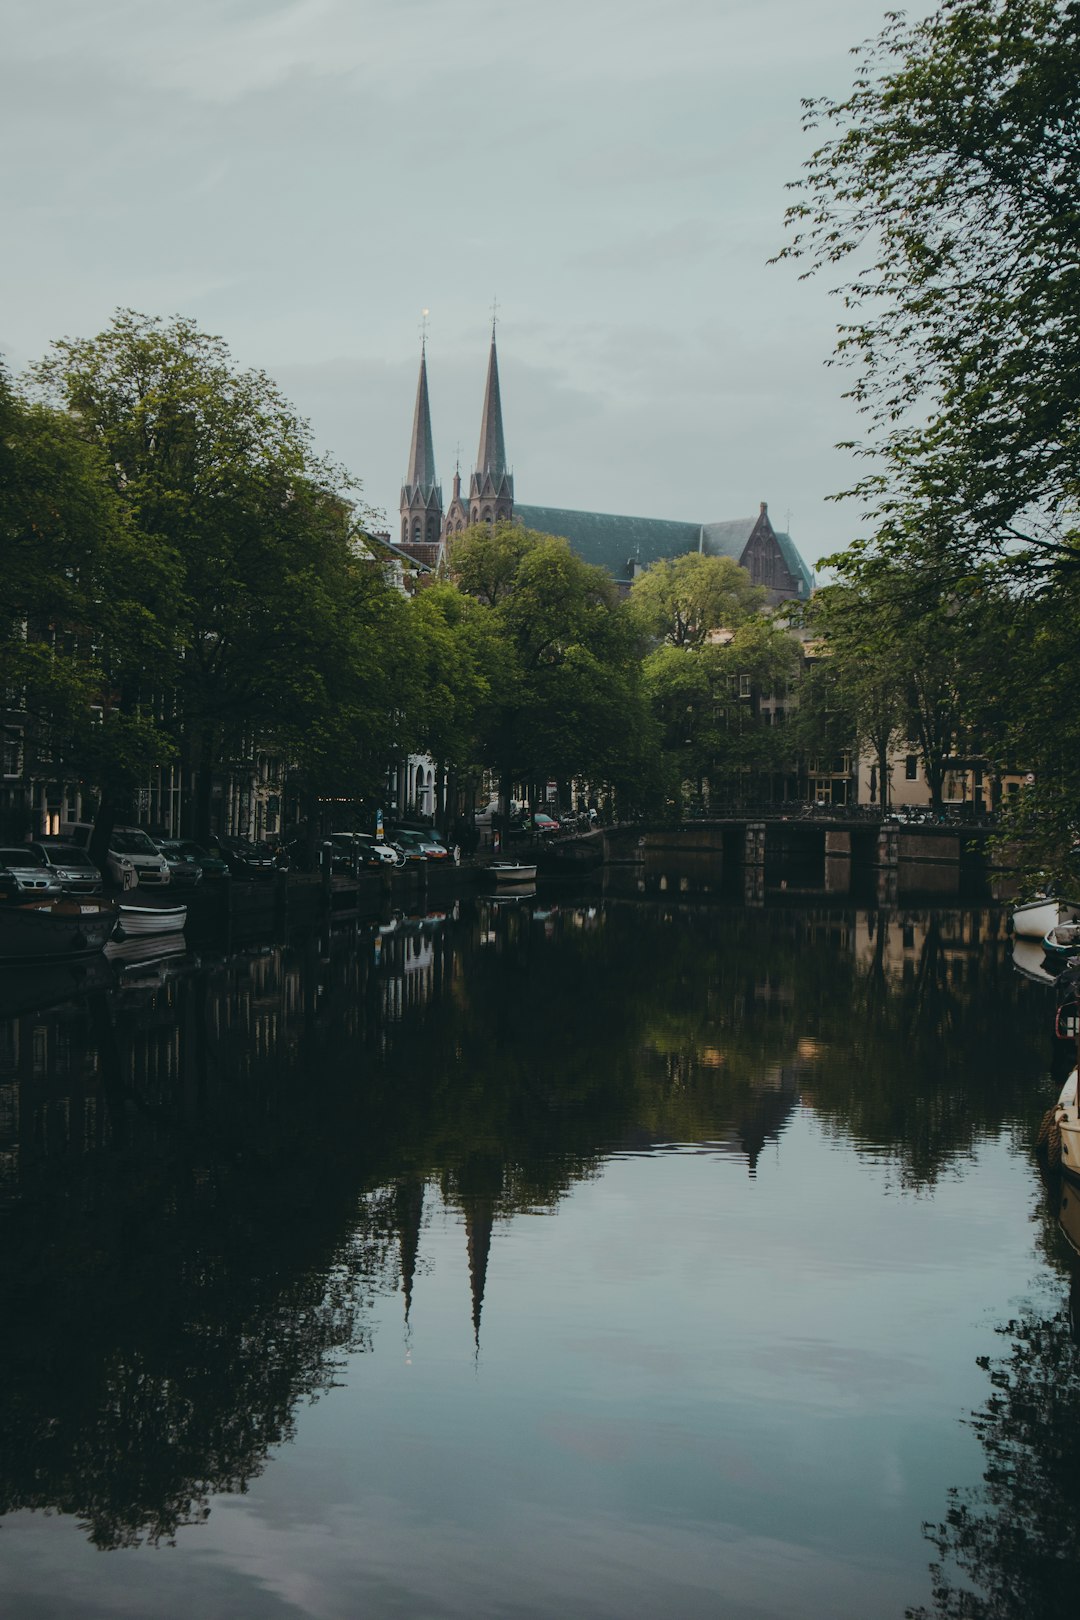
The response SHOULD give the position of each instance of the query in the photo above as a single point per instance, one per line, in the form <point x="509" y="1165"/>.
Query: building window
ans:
<point x="12" y="756"/>
<point x="744" y="686"/>
<point x="911" y="768"/>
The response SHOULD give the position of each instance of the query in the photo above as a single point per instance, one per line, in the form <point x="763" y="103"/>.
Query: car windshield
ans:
<point x="173" y="852"/>
<point x="192" y="851"/>
<point x="22" y="857"/>
<point x="132" y="842"/>
<point x="69" y="856"/>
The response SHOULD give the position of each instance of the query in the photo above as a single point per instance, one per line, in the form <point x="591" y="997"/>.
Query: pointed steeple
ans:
<point x="422" y="452"/>
<point x="491" y="457"/>
<point x="421" y="497"/>
<point x="491" y="492"/>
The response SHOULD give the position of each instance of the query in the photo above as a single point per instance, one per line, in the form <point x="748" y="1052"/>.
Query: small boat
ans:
<point x="505" y="872"/>
<point x="1063" y="941"/>
<point x="66" y="927"/>
<point x="1059" y="1133"/>
<point x="1035" y="918"/>
<point x="133" y="919"/>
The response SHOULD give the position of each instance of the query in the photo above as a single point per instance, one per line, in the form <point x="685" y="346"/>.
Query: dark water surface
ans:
<point x="607" y="1259"/>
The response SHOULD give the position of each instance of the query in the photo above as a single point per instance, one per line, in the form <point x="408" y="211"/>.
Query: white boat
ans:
<point x="65" y="927"/>
<point x="133" y="919"/>
<point x="504" y="872"/>
<point x="1035" y="918"/>
<point x="1060" y="1131"/>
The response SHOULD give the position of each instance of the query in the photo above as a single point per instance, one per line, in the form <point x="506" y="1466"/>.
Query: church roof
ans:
<point x="727" y="539"/>
<point x="616" y="542"/>
<point x="611" y="540"/>
<point x="795" y="563"/>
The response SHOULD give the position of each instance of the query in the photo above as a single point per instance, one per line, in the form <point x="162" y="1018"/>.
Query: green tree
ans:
<point x="947" y="197"/>
<point x="705" y="699"/>
<point x="85" y="604"/>
<point x="680" y="599"/>
<point x="216" y="470"/>
<point x="564" y="694"/>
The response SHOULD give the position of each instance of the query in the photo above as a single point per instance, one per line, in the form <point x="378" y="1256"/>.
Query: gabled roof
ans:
<point x="727" y="539"/>
<point x="611" y="540"/>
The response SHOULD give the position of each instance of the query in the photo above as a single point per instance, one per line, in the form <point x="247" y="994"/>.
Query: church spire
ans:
<point x="491" y="457"/>
<point x="491" y="495"/>
<point x="422" y="451"/>
<point x="421" y="497"/>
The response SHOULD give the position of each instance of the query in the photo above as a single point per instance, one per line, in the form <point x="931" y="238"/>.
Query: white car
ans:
<point x="133" y="859"/>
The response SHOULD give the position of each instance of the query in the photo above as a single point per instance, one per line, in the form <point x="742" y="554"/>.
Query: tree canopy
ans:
<point x="680" y="599"/>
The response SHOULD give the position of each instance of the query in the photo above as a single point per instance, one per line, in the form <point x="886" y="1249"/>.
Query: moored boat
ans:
<point x="506" y="872"/>
<point x="1059" y="1134"/>
<point x="44" y="929"/>
<point x="1062" y="942"/>
<point x="133" y="919"/>
<point x="1035" y="918"/>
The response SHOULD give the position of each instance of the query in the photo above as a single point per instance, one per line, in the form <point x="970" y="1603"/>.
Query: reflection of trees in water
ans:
<point x="1009" y="1549"/>
<point x="932" y="1055"/>
<point x="265" y="1129"/>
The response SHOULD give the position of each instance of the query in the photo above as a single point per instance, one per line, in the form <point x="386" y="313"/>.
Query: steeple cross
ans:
<point x="494" y="314"/>
<point x="424" y="313"/>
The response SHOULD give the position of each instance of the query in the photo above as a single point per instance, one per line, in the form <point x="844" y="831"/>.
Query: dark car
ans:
<point x="211" y="866"/>
<point x="25" y="874"/>
<point x="244" y="858"/>
<point x="184" y="870"/>
<point x="72" y="865"/>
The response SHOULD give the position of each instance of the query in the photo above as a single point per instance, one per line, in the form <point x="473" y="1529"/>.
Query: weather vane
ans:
<point x="424" y="313"/>
<point x="494" y="314"/>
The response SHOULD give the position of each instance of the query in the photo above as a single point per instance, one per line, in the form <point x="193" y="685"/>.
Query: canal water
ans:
<point x="607" y="1257"/>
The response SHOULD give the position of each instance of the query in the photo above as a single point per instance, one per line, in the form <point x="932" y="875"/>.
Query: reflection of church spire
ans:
<point x="408" y="1218"/>
<point x="479" y="1221"/>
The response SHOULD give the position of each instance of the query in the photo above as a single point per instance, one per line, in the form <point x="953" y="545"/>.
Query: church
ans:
<point x="622" y="545"/>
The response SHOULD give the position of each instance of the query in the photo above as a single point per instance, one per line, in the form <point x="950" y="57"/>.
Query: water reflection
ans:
<point x="213" y="1169"/>
<point x="1009" y="1547"/>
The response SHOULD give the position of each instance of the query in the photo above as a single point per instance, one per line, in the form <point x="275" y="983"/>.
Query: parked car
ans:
<point x="244" y="858"/>
<point x="133" y="858"/>
<point x="542" y="823"/>
<point x="184" y="870"/>
<point x="73" y="866"/>
<point x="25" y="874"/>
<point x="382" y="852"/>
<point x="419" y="846"/>
<point x="212" y="867"/>
<point x="347" y="851"/>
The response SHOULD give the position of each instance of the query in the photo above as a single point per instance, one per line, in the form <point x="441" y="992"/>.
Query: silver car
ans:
<point x="72" y="866"/>
<point x="25" y="874"/>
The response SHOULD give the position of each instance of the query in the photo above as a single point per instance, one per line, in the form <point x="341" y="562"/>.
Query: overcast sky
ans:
<point x="303" y="177"/>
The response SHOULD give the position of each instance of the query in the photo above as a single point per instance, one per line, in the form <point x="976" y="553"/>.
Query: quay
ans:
<point x="932" y="859"/>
